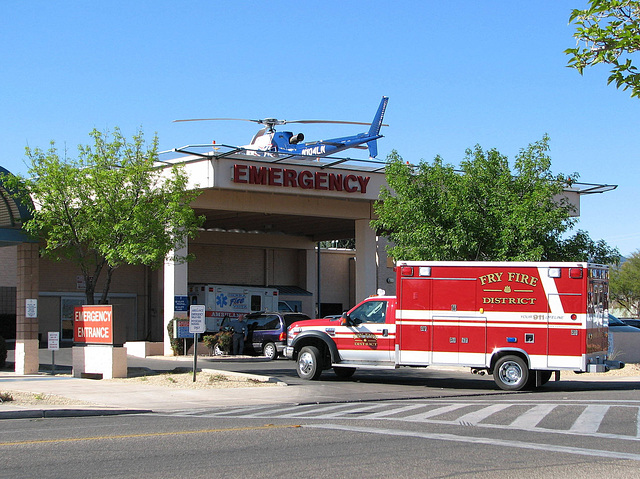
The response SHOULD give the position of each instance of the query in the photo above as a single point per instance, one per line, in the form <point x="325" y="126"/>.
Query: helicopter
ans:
<point x="272" y="142"/>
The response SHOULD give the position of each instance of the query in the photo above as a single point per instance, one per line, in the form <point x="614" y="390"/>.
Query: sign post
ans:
<point x="196" y="325"/>
<point x="53" y="344"/>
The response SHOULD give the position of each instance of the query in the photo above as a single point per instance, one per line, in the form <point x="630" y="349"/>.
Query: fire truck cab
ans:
<point x="519" y="321"/>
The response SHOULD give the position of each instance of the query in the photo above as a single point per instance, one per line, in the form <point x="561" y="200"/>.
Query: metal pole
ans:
<point x="318" y="280"/>
<point x="53" y="362"/>
<point x="195" y="355"/>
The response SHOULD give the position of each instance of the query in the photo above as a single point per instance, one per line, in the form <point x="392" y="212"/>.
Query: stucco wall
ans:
<point x="8" y="262"/>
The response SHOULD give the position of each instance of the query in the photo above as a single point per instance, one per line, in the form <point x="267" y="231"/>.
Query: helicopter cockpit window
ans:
<point x="370" y="312"/>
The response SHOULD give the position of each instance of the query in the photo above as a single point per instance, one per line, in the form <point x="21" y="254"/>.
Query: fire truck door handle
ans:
<point x="385" y="332"/>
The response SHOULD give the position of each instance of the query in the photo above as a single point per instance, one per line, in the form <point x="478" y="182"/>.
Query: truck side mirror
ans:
<point x="348" y="320"/>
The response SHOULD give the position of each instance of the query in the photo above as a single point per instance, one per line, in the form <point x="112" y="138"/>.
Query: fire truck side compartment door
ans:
<point x="565" y="337"/>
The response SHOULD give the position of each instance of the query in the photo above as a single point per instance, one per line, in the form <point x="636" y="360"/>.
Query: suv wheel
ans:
<point x="270" y="351"/>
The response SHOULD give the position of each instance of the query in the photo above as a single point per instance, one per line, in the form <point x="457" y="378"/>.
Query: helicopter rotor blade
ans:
<point x="273" y="121"/>
<point x="333" y="121"/>
<point x="330" y="121"/>
<point x="216" y="119"/>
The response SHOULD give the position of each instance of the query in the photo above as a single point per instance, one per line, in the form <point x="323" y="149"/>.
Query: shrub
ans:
<point x="210" y="341"/>
<point x="222" y="338"/>
<point x="5" y="397"/>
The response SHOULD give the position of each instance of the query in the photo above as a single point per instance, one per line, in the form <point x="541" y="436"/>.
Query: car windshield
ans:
<point x="613" y="321"/>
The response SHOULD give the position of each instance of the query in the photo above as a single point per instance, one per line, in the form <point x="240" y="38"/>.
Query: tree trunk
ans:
<point x="107" y="286"/>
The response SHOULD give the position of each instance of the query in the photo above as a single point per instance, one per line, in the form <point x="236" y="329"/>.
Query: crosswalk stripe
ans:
<point x="588" y="422"/>
<point x="434" y="412"/>
<point x="330" y="407"/>
<point x="349" y="412"/>
<point x="477" y="416"/>
<point x="391" y="412"/>
<point x="590" y="419"/>
<point x="532" y="417"/>
<point x="236" y="411"/>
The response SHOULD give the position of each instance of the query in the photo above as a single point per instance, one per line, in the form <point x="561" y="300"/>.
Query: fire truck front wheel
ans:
<point x="511" y="373"/>
<point x="309" y="365"/>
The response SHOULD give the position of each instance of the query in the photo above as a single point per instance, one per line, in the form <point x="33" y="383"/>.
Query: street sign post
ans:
<point x="53" y="344"/>
<point x="196" y="325"/>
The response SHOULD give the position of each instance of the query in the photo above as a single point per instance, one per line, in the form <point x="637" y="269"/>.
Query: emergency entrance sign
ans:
<point x="93" y="324"/>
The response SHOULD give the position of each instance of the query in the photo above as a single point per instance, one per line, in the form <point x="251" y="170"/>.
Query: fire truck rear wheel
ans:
<point x="309" y="365"/>
<point x="544" y="378"/>
<point x="344" y="373"/>
<point x="546" y="375"/>
<point x="511" y="373"/>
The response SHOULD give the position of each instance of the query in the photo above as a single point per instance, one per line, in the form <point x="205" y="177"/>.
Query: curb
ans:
<point x="53" y="413"/>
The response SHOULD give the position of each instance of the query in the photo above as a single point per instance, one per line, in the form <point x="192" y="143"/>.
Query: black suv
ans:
<point x="268" y="331"/>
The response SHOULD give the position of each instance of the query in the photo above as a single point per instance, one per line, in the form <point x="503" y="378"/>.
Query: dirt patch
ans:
<point x="183" y="379"/>
<point x="630" y="370"/>
<point x="18" y="398"/>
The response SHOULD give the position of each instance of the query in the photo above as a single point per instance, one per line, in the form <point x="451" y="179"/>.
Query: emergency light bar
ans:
<point x="422" y="271"/>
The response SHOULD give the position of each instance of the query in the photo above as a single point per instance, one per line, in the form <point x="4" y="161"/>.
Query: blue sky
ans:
<point x="458" y="73"/>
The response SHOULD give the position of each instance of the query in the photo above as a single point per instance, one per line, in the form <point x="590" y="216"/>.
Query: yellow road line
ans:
<point x="151" y="434"/>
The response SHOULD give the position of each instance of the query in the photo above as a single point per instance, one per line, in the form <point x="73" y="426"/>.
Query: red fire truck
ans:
<point x="519" y="321"/>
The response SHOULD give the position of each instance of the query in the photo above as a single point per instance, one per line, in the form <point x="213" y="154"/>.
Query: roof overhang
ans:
<point x="211" y="164"/>
<point x="13" y="213"/>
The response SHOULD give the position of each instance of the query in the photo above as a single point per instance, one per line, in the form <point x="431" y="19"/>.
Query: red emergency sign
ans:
<point x="93" y="324"/>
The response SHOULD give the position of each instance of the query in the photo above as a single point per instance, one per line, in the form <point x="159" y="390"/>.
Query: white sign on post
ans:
<point x="197" y="322"/>
<point x="54" y="340"/>
<point x="31" y="308"/>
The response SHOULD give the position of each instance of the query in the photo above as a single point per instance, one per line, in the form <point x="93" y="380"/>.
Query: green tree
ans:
<point x="482" y="212"/>
<point x="624" y="285"/>
<point x="113" y="205"/>
<point x="608" y="32"/>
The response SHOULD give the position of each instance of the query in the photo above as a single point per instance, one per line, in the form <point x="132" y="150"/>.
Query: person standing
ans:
<point x="239" y="335"/>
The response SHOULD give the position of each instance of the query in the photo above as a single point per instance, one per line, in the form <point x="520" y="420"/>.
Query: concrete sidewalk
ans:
<point x="91" y="397"/>
<point x="101" y="397"/>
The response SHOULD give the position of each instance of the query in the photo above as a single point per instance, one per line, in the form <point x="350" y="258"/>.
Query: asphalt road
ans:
<point x="400" y="440"/>
<point x="404" y="423"/>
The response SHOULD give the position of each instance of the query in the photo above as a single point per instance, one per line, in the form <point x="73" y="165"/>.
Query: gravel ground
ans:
<point x="183" y="379"/>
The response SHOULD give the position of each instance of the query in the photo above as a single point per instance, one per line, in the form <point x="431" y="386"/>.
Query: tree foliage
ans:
<point x="624" y="285"/>
<point x="111" y="206"/>
<point x="608" y="32"/>
<point x="482" y="212"/>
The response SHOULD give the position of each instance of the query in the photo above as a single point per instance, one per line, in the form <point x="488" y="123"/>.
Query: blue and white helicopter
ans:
<point x="271" y="142"/>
